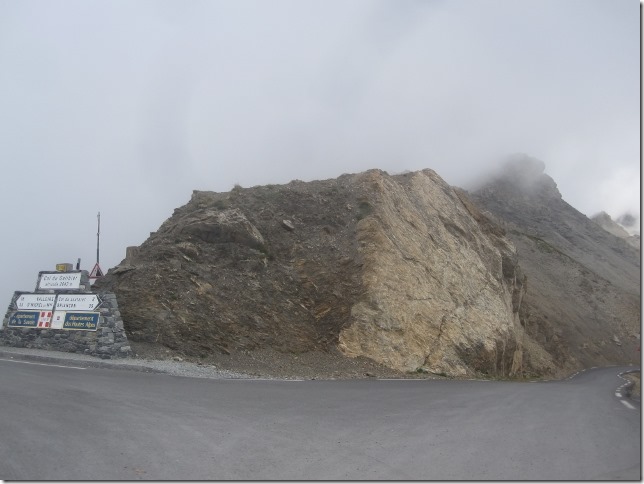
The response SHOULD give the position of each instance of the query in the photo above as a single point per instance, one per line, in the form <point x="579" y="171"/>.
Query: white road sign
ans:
<point x="58" y="319"/>
<point x="42" y="302"/>
<point x="77" y="302"/>
<point x="62" y="280"/>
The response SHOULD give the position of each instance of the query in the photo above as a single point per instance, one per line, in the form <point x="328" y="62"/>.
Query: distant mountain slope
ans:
<point x="607" y="223"/>
<point x="583" y="297"/>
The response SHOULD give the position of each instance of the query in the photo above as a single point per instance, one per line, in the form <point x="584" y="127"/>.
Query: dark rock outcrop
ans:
<point x="584" y="285"/>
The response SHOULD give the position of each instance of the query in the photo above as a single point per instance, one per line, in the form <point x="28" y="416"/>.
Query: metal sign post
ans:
<point x="98" y="237"/>
<point x="97" y="271"/>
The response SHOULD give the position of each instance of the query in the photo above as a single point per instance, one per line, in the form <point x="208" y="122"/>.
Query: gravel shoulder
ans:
<point x="264" y="364"/>
<point x="267" y="364"/>
<point x="169" y="366"/>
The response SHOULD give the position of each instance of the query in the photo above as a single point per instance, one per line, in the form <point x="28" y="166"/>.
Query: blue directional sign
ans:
<point x="24" y="319"/>
<point x="83" y="321"/>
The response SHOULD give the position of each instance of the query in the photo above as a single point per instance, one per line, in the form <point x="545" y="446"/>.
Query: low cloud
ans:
<point x="126" y="107"/>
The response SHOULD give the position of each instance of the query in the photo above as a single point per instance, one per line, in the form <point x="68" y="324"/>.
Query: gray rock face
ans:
<point x="606" y="222"/>
<point x="525" y="177"/>
<point x="216" y="227"/>
<point x="442" y="291"/>
<point x="401" y="269"/>
<point x="584" y="282"/>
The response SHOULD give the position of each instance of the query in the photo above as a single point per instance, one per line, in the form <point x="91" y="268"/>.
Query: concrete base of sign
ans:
<point x="99" y="332"/>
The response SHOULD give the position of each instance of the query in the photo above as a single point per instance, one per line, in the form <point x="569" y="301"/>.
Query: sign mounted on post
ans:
<point x="59" y="280"/>
<point x="96" y="273"/>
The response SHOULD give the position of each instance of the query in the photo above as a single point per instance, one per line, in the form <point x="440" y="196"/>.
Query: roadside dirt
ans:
<point x="271" y="363"/>
<point x="635" y="390"/>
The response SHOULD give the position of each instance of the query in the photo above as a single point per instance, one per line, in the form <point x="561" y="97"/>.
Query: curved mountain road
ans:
<point x="65" y="423"/>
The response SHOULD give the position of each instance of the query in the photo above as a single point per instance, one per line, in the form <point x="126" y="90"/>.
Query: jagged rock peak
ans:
<point x="630" y="223"/>
<point x="607" y="223"/>
<point x="602" y="216"/>
<point x="627" y="220"/>
<point x="523" y="174"/>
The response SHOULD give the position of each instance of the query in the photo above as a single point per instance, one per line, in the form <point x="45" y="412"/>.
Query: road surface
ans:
<point x="60" y="423"/>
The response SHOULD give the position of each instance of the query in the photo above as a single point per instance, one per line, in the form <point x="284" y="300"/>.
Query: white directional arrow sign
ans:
<point x="77" y="302"/>
<point x="43" y="302"/>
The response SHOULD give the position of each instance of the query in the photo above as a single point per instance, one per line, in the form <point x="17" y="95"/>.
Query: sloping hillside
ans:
<point x="607" y="223"/>
<point x="583" y="298"/>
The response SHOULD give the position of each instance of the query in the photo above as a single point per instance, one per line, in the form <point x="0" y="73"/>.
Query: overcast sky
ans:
<point x="125" y="107"/>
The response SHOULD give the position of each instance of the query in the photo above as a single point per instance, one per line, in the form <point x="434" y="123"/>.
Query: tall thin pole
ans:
<point x="98" y="237"/>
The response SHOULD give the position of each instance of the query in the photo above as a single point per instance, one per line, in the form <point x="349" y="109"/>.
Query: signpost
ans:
<point x="97" y="272"/>
<point x="57" y="311"/>
<point x="66" y="302"/>
<point x="77" y="302"/>
<point x="60" y="280"/>
<point x="81" y="321"/>
<point x="36" y="301"/>
<point x="24" y="319"/>
<point x="60" y="302"/>
<point x="63" y="313"/>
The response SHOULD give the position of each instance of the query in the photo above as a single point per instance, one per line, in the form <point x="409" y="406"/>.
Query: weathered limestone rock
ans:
<point x="439" y="291"/>
<point x="288" y="225"/>
<point x="223" y="226"/>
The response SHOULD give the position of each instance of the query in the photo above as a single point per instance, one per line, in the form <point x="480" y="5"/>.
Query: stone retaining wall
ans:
<point x="107" y="341"/>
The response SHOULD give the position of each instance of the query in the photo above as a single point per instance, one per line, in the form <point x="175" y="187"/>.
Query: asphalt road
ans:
<point x="61" y="423"/>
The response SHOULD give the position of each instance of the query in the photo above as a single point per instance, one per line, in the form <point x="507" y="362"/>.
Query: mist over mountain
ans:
<point x="607" y="223"/>
<point x="584" y="281"/>
<point x="630" y="223"/>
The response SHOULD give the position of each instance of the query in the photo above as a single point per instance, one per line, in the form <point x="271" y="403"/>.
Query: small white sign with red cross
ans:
<point x="44" y="320"/>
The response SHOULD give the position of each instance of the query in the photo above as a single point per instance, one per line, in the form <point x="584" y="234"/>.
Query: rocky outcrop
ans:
<point x="608" y="224"/>
<point x="506" y="281"/>
<point x="442" y="285"/>
<point x="404" y="270"/>
<point x="584" y="281"/>
<point x="630" y="223"/>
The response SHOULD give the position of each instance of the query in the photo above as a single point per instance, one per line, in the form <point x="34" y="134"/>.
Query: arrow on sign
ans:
<point x="77" y="302"/>
<point x="36" y="301"/>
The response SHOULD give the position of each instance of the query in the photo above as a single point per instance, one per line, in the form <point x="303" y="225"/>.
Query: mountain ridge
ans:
<point x="402" y="270"/>
<point x="587" y="279"/>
